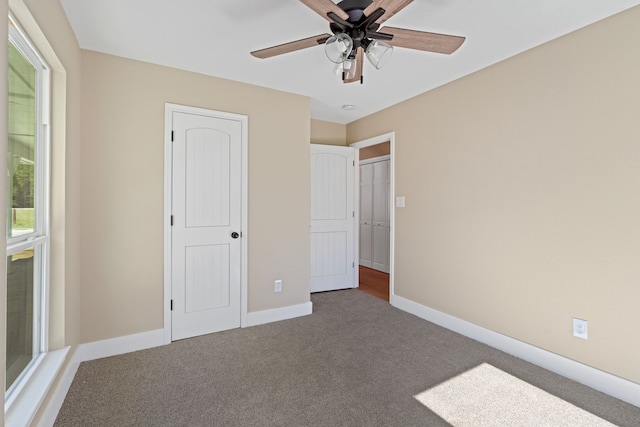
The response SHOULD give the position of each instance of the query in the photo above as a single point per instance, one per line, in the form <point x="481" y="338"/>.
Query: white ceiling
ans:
<point x="215" y="37"/>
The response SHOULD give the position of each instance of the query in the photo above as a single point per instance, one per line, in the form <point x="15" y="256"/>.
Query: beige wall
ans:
<point x="328" y="133"/>
<point x="523" y="196"/>
<point x="123" y="187"/>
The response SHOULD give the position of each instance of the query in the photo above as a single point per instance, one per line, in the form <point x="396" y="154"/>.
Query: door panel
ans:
<point x="207" y="178"/>
<point x="207" y="283"/>
<point x="332" y="218"/>
<point x="380" y="191"/>
<point x="366" y="214"/>
<point x="328" y="250"/>
<point x="206" y="208"/>
<point x="365" y="245"/>
<point x="380" y="245"/>
<point x="328" y="192"/>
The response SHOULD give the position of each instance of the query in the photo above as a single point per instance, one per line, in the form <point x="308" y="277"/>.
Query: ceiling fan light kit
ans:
<point x="338" y="47"/>
<point x="349" y="69"/>
<point x="357" y="32"/>
<point x="379" y="53"/>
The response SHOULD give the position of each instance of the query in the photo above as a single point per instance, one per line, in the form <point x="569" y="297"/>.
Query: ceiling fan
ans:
<point x="355" y="25"/>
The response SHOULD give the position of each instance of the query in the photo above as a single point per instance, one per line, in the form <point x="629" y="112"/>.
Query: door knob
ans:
<point x="235" y="235"/>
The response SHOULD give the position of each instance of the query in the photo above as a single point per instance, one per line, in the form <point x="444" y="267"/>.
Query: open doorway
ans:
<point x="375" y="216"/>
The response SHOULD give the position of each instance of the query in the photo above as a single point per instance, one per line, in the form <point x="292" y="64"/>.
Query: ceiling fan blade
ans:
<point x="359" y="64"/>
<point x="291" y="46"/>
<point x="422" y="40"/>
<point x="391" y="7"/>
<point x="323" y="7"/>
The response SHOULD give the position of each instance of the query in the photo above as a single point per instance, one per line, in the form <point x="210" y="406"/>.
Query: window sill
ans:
<point x="22" y="409"/>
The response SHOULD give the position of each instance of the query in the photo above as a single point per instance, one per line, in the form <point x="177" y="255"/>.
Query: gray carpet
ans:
<point x="356" y="361"/>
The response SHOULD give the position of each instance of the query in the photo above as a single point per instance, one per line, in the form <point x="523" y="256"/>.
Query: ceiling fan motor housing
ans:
<point x="358" y="29"/>
<point x="355" y="9"/>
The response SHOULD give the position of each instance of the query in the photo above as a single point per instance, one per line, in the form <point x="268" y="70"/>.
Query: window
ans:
<point x="28" y="213"/>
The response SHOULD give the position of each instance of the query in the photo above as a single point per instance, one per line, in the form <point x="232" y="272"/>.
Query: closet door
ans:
<point x="380" y="216"/>
<point x="366" y="208"/>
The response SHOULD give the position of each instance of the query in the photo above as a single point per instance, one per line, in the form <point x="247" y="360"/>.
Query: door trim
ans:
<point x="391" y="137"/>
<point x="168" y="172"/>
<point x="375" y="160"/>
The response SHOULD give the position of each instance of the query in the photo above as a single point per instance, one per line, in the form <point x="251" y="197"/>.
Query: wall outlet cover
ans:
<point x="580" y="328"/>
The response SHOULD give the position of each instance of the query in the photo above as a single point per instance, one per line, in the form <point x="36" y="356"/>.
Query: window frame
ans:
<point x="39" y="238"/>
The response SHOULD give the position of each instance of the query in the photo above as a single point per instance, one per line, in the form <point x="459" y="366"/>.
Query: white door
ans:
<point x="332" y="218"/>
<point x="206" y="209"/>
<point x="375" y="219"/>
<point x="380" y="216"/>
<point x="366" y="213"/>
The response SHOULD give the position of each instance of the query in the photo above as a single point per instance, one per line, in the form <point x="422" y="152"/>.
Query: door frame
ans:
<point x="168" y="173"/>
<point x="392" y="197"/>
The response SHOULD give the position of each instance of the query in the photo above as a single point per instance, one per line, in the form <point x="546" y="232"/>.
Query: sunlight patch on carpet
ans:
<point x="487" y="396"/>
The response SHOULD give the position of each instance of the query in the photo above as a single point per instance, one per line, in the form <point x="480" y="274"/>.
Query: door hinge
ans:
<point x="353" y="265"/>
<point x="172" y="220"/>
<point x="171" y="305"/>
<point x="171" y="136"/>
<point x="353" y="214"/>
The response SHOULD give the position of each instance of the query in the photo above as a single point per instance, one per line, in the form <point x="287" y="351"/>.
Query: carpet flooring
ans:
<point x="494" y="398"/>
<point x="356" y="361"/>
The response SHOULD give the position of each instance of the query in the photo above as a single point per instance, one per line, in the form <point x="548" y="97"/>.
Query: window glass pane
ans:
<point x="27" y="191"/>
<point x="22" y="311"/>
<point x="22" y="143"/>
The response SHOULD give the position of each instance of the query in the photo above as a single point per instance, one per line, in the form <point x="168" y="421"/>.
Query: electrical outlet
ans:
<point x="580" y="328"/>
<point x="277" y="286"/>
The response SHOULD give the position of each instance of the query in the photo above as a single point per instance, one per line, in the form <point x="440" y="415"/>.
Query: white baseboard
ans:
<point x="276" y="314"/>
<point x="120" y="345"/>
<point x="612" y="385"/>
